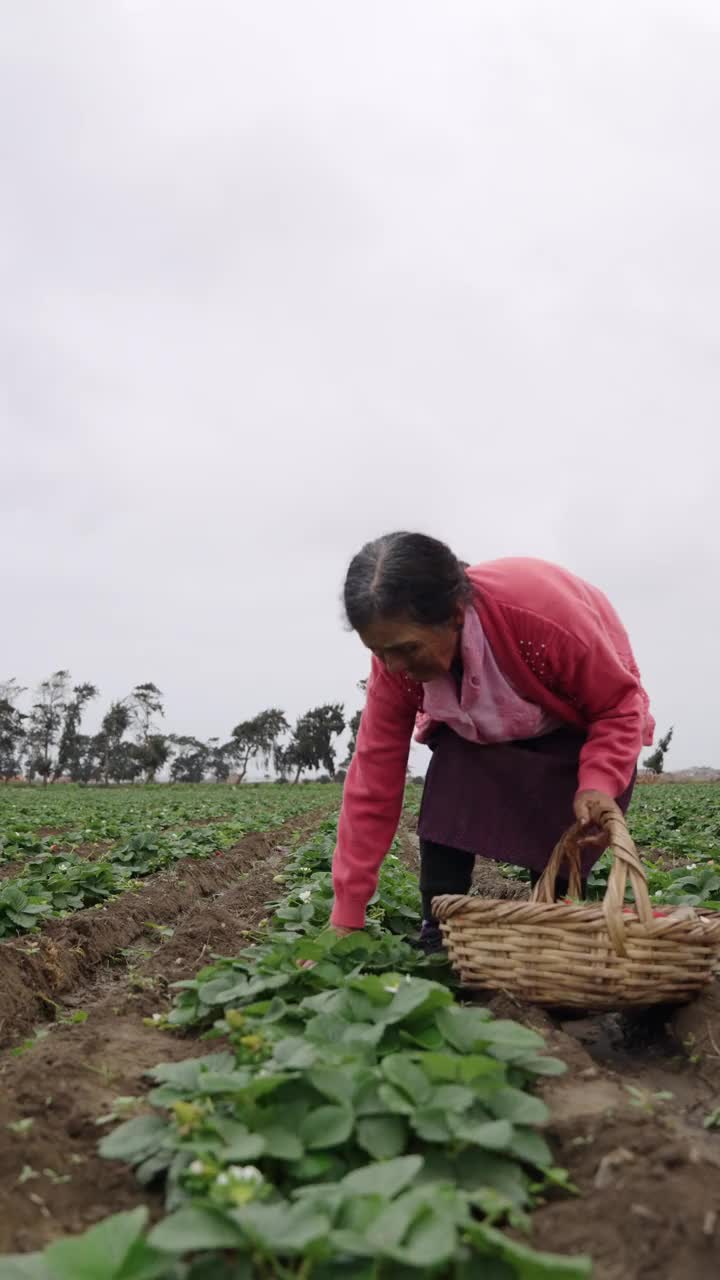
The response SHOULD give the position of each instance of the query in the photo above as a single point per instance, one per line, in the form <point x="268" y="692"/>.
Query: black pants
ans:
<point x="446" y="870"/>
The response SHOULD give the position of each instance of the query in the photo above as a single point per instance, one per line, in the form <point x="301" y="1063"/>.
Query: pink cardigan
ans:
<point x="561" y="645"/>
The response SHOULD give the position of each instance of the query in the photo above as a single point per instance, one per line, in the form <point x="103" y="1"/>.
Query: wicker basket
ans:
<point x="590" y="956"/>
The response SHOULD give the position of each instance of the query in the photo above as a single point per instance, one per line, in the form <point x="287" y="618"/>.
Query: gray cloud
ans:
<point x="277" y="277"/>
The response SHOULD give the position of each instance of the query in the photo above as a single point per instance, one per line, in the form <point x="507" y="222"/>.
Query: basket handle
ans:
<point x="626" y="862"/>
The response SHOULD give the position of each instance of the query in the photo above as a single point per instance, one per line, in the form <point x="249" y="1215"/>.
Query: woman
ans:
<point x="520" y="678"/>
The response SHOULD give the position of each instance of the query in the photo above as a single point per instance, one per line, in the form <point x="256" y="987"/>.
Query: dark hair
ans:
<point x="404" y="575"/>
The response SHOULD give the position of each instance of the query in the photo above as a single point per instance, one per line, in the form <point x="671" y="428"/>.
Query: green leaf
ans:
<point x="453" y="1097"/>
<point x="295" y="1054"/>
<point x="414" y="997"/>
<point x="475" y="1169"/>
<point x="542" y="1066"/>
<point x="530" y="1147"/>
<point x="394" y="1100"/>
<point x="283" y="1228"/>
<point x="383" y="1137"/>
<point x="385" y="1232"/>
<point x="492" y="1135"/>
<point x="24" y="1266"/>
<point x="510" y="1040"/>
<point x="347" y="1269"/>
<point x="135" y="1140"/>
<point x="241" y="1268"/>
<point x="185" y="1076"/>
<point x="387" y="1178"/>
<point x="240" y="1146"/>
<point x="402" y="1072"/>
<point x="281" y="1144"/>
<point x="193" y="1228"/>
<point x="528" y="1264"/>
<point x="331" y="1082"/>
<point x="325" y="1028"/>
<point x="431" y="1124"/>
<point x="518" y="1107"/>
<point x="463" y="1028"/>
<point x="101" y="1252"/>
<point x="431" y="1240"/>
<point x="327" y="1127"/>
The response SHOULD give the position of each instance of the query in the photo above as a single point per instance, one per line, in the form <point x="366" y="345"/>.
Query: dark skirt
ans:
<point x="509" y="801"/>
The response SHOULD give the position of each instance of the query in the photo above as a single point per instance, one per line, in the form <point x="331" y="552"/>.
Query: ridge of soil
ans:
<point x="627" y="1124"/>
<point x="626" y="1120"/>
<point x="110" y="964"/>
<point x="39" y="968"/>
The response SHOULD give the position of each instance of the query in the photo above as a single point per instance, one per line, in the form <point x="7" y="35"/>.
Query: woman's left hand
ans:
<point x="591" y="807"/>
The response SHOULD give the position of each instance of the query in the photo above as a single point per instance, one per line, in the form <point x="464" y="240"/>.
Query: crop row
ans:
<point x="357" y="1122"/>
<point x="55" y="878"/>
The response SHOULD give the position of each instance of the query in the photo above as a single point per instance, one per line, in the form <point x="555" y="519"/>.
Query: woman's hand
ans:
<point x="591" y="810"/>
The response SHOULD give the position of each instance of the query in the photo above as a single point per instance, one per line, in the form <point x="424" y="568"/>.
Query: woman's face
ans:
<point x="419" y="651"/>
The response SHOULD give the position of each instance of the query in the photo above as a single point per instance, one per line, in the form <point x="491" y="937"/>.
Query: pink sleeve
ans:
<point x="373" y="796"/>
<point x="610" y="698"/>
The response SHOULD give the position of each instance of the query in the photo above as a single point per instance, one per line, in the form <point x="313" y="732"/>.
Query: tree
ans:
<point x="354" y="727"/>
<point x="112" y="750"/>
<point x="153" y="754"/>
<point x="69" y="746"/>
<point x="45" y="721"/>
<point x="12" y="730"/>
<point x="153" y="748"/>
<point x="219" y="759"/>
<point x="311" y="745"/>
<point x="191" y="759"/>
<point x="88" y="763"/>
<point x="656" y="761"/>
<point x="256" y="739"/>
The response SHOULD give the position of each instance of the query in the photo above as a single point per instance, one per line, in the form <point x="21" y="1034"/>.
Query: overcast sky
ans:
<point x="280" y="276"/>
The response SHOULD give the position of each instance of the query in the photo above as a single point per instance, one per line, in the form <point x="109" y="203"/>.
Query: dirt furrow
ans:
<point x="113" y="968"/>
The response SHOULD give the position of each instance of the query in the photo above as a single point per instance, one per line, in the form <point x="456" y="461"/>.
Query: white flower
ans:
<point x="658" y="893"/>
<point x="158" y="1017"/>
<point x="305" y="895"/>
<point x="691" y="866"/>
<point x="197" y="1167"/>
<point x="245" y="1173"/>
<point x="392" y="987"/>
<point x="222" y="1180"/>
<point x="63" y="866"/>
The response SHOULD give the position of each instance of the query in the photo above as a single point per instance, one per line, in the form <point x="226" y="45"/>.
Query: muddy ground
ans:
<point x="114" y="964"/>
<point x="628" y="1125"/>
<point x="627" y="1118"/>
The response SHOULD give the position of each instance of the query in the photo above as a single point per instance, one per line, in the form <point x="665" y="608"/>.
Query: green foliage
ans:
<point x="357" y="1121"/>
<point x="12" y="730"/>
<point x="44" y="723"/>
<point x="679" y="826"/>
<point x="148" y="830"/>
<point x="311" y="743"/>
<point x="256" y="739"/>
<point x="656" y="761"/>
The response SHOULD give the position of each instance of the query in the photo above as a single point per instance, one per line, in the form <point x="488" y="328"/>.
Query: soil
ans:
<point x="626" y="1118"/>
<point x="115" y="964"/>
<point x="627" y="1124"/>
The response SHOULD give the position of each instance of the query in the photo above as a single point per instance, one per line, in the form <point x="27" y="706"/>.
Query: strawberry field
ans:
<point x="199" y="1081"/>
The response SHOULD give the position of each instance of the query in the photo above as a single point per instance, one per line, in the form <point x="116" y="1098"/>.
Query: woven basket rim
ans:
<point x="450" y="909"/>
<point x="476" y="901"/>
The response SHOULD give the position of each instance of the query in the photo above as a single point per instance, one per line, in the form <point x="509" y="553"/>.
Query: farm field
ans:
<point x="350" y="1119"/>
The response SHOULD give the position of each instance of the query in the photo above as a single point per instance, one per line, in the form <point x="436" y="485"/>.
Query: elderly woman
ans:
<point x="521" y="680"/>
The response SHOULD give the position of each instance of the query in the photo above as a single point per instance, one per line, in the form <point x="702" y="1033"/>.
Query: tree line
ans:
<point x="48" y="743"/>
